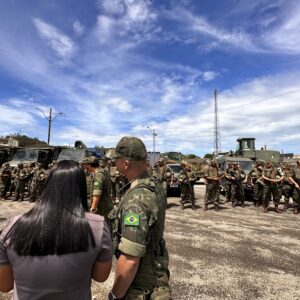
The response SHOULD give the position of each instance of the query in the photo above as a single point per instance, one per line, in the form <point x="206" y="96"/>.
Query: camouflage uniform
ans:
<point x="138" y="226"/>
<point x="237" y="189"/>
<point x="287" y="186"/>
<point x="21" y="181"/>
<point x="115" y="188"/>
<point x="38" y="182"/>
<point x="256" y="177"/>
<point x="212" y="176"/>
<point x="185" y="178"/>
<point x="162" y="172"/>
<point x="296" y="193"/>
<point x="270" y="188"/>
<point x="5" y="180"/>
<point x="101" y="186"/>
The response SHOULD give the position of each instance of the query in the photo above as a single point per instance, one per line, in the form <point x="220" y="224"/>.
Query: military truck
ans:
<point x="43" y="155"/>
<point x="246" y="156"/>
<point x="6" y="154"/>
<point x="79" y="152"/>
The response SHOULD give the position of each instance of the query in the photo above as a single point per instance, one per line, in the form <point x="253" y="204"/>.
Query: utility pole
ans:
<point x="154" y="134"/>
<point x="50" y="119"/>
<point x="217" y="143"/>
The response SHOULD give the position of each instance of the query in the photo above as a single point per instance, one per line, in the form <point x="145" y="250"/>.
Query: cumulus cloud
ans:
<point x="59" y="42"/>
<point x="120" y="104"/>
<point x="78" y="28"/>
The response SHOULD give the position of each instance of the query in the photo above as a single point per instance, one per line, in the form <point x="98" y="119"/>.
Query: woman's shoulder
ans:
<point x="94" y="219"/>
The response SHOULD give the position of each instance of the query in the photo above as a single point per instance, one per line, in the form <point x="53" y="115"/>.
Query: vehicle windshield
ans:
<point x="71" y="154"/>
<point x="175" y="168"/>
<point x="27" y="155"/>
<point x="246" y="165"/>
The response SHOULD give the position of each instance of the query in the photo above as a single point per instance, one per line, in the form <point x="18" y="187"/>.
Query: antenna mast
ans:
<point x="217" y="142"/>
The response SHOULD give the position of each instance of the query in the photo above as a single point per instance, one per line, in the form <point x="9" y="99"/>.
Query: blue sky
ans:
<point x="115" y="67"/>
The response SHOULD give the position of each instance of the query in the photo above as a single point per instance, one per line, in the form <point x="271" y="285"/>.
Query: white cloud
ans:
<point x="113" y="6"/>
<point x="209" y="75"/>
<point x="59" y="42"/>
<point x="120" y="104"/>
<point x="78" y="28"/>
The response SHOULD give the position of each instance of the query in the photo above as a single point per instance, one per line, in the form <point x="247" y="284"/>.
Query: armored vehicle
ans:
<point x="79" y="152"/>
<point x="43" y="155"/>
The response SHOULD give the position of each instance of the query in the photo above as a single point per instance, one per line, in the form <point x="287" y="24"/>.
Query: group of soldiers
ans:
<point x="23" y="180"/>
<point x="267" y="182"/>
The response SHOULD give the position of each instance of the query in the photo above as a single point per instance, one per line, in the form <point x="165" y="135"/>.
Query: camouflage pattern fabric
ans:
<point x="101" y="186"/>
<point x="5" y="180"/>
<point x="270" y="189"/>
<point x="212" y="186"/>
<point x="140" y="223"/>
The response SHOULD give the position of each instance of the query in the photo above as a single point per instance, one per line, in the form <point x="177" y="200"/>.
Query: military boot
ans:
<point x="205" y="207"/>
<point x="233" y="204"/>
<point x="242" y="204"/>
<point x="277" y="209"/>
<point x="216" y="207"/>
<point x="265" y="209"/>
<point x="16" y="198"/>
<point x="22" y="198"/>
<point x="286" y="204"/>
<point x="194" y="207"/>
<point x="296" y="210"/>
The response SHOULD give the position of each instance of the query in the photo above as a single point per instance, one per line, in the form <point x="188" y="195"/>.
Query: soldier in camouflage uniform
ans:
<point x="21" y="181"/>
<point x="287" y="184"/>
<point x="212" y="176"/>
<point x="38" y="182"/>
<point x="114" y="175"/>
<point x="163" y="172"/>
<point x="185" y="178"/>
<point x="270" y="186"/>
<point x="257" y="182"/>
<point x="101" y="202"/>
<point x="296" y="193"/>
<point x="138" y="226"/>
<point x="237" y="176"/>
<point x="5" y="180"/>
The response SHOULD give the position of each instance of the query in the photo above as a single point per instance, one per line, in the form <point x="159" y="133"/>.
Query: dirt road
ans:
<point x="236" y="253"/>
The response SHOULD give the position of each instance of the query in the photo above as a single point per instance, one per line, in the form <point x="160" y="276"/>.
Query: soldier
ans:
<point x="21" y="180"/>
<point x="101" y="202"/>
<point x="255" y="176"/>
<point x="114" y="175"/>
<point x="287" y="184"/>
<point x="163" y="172"/>
<point x="38" y="182"/>
<point x="270" y="186"/>
<point x="5" y="180"/>
<point x="30" y="169"/>
<point x="138" y="226"/>
<point x="212" y="176"/>
<point x="228" y="182"/>
<point x="237" y="176"/>
<point x="296" y="193"/>
<point x="185" y="178"/>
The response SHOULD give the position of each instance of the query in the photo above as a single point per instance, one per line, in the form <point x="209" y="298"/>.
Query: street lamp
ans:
<point x="50" y="119"/>
<point x="154" y="134"/>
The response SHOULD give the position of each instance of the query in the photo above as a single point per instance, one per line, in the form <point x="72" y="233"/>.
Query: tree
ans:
<point x="24" y="140"/>
<point x="208" y="155"/>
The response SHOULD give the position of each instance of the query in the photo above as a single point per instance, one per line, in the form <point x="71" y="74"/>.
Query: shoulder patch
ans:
<point x="132" y="219"/>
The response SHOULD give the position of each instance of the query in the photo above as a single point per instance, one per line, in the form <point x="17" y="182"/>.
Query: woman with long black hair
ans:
<point x="53" y="250"/>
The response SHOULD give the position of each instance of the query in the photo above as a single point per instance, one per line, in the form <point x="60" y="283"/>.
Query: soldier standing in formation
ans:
<point x="38" y="182"/>
<point x="257" y="182"/>
<point x="138" y="227"/>
<point x="101" y="201"/>
<point x="21" y="177"/>
<point x="270" y="186"/>
<point x="296" y="192"/>
<point x="163" y="172"/>
<point x="212" y="176"/>
<point x="5" y="180"/>
<point x="237" y="176"/>
<point x="114" y="175"/>
<point x="287" y="185"/>
<point x="186" y="179"/>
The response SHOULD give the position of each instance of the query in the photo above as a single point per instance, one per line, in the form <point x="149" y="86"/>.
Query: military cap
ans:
<point x="161" y="160"/>
<point x="90" y="160"/>
<point x="131" y="148"/>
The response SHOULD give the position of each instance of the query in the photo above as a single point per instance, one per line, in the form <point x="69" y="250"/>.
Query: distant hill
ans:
<point x="24" y="140"/>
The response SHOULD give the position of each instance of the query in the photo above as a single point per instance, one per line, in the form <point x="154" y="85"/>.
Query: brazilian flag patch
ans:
<point x="132" y="219"/>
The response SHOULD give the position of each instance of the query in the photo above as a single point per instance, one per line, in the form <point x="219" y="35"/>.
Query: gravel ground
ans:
<point x="236" y="253"/>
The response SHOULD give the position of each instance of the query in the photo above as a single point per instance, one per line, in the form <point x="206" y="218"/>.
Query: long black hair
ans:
<point x="57" y="223"/>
